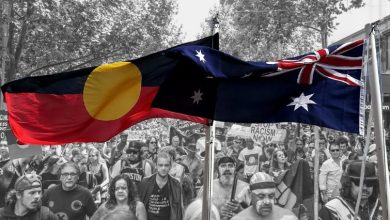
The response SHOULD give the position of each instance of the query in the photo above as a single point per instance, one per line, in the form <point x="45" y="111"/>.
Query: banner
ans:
<point x="22" y="151"/>
<point x="267" y="133"/>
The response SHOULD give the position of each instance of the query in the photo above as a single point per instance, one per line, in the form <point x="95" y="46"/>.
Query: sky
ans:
<point x="193" y="12"/>
<point x="355" y="20"/>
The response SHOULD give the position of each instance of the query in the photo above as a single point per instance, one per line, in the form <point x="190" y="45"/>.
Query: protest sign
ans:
<point x="22" y="151"/>
<point x="267" y="133"/>
<point x="6" y="135"/>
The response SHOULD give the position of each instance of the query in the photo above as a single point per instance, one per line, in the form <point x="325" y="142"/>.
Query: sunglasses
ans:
<point x="368" y="183"/>
<point x="132" y="152"/>
<point x="335" y="150"/>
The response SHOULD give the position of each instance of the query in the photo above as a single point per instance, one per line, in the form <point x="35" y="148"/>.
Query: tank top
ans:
<point x="136" y="173"/>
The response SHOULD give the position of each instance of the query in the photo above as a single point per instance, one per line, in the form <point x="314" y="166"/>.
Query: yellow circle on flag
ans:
<point x="112" y="90"/>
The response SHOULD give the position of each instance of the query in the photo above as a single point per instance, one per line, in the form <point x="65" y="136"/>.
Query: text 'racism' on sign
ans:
<point x="266" y="133"/>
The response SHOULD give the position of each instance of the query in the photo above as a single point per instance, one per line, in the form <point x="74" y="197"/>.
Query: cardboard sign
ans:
<point x="267" y="133"/>
<point x="239" y="130"/>
<point x="22" y="151"/>
<point x="6" y="135"/>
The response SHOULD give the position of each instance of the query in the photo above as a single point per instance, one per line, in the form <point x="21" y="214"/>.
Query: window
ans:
<point x="385" y="53"/>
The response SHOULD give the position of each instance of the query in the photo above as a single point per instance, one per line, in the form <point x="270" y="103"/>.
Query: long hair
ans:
<point x="95" y="151"/>
<point x="346" y="186"/>
<point x="275" y="164"/>
<point x="131" y="195"/>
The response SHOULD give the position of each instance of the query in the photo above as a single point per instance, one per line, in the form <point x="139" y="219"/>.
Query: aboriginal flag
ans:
<point x="193" y="82"/>
<point x="94" y="104"/>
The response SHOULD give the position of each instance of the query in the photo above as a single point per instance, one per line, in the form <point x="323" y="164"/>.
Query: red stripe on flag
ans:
<point x="342" y="62"/>
<point x="332" y="76"/>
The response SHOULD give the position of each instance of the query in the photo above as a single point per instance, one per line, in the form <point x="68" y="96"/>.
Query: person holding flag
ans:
<point x="343" y="206"/>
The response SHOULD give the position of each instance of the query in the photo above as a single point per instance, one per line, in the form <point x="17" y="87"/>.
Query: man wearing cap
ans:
<point x="262" y="191"/>
<point x="343" y="206"/>
<point x="132" y="164"/>
<point x="24" y="202"/>
<point x="223" y="186"/>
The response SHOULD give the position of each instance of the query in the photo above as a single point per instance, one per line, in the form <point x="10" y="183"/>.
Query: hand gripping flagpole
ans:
<point x="378" y="129"/>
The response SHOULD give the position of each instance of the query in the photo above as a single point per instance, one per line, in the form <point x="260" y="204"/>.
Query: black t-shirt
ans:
<point x="158" y="206"/>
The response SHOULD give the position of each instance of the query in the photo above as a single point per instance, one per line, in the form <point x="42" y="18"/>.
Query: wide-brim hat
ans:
<point x="355" y="167"/>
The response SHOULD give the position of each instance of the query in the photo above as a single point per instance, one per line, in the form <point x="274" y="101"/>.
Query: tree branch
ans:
<point x="23" y="32"/>
<point x="92" y="60"/>
<point x="58" y="63"/>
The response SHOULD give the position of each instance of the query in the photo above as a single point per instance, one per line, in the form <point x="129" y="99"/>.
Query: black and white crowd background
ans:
<point x="269" y="148"/>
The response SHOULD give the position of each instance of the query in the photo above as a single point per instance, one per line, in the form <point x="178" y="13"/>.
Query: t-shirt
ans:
<point x="158" y="206"/>
<point x="69" y="205"/>
<point x="250" y="159"/>
<point x="278" y="213"/>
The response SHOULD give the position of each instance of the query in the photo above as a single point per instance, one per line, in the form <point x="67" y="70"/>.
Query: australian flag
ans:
<point x="323" y="88"/>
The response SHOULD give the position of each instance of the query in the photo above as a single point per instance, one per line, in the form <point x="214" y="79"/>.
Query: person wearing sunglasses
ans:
<point x="343" y="206"/>
<point x="24" y="201"/>
<point x="330" y="174"/>
<point x="132" y="164"/>
<point x="69" y="200"/>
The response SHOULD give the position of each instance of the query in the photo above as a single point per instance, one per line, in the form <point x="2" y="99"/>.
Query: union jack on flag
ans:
<point x="323" y="88"/>
<point x="326" y="62"/>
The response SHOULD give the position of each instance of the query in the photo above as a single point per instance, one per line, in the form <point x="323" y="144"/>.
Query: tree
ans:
<point x="62" y="35"/>
<point x="270" y="30"/>
<point x="320" y="15"/>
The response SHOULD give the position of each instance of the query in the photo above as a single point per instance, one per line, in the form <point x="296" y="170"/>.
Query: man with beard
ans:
<point x="24" y="202"/>
<point x="343" y="206"/>
<point x="132" y="164"/>
<point x="69" y="200"/>
<point x="222" y="189"/>
<point x="262" y="191"/>
<point x="161" y="193"/>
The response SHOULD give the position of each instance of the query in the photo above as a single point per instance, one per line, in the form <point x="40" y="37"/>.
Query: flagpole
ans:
<point x="209" y="150"/>
<point x="362" y="171"/>
<point x="378" y="127"/>
<point x="316" y="169"/>
<point x="208" y="175"/>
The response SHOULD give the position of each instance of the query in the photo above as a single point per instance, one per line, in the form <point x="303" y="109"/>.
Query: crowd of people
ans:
<point x="148" y="178"/>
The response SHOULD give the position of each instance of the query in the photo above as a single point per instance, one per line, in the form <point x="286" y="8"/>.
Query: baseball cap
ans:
<point x="27" y="181"/>
<point x="261" y="180"/>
